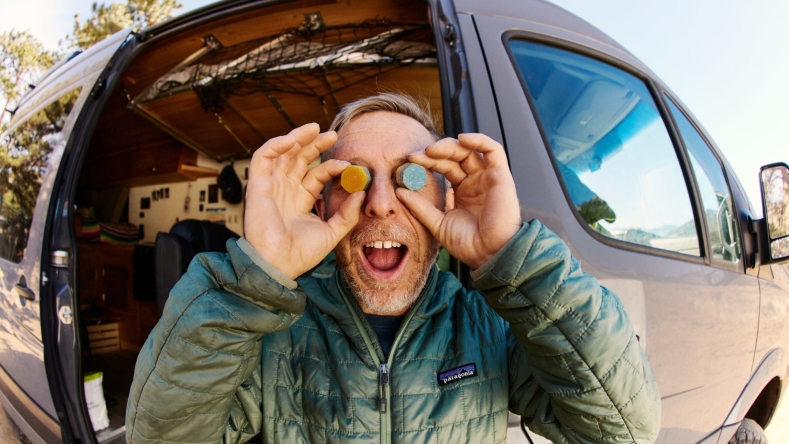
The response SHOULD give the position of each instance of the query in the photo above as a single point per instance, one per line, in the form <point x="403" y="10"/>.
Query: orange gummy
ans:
<point x="355" y="178"/>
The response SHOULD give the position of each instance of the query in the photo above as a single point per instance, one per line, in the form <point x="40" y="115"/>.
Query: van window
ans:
<point x="612" y="148"/>
<point x="24" y="160"/>
<point x="715" y="196"/>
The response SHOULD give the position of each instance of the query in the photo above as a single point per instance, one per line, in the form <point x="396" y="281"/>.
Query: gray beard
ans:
<point x="379" y="301"/>
<point x="377" y="297"/>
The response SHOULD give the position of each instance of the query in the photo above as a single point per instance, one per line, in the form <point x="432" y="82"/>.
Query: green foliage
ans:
<point x="22" y="59"/>
<point x="24" y="156"/>
<point x="106" y="20"/>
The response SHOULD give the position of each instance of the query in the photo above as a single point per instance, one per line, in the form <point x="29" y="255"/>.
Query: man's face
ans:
<point x="385" y="278"/>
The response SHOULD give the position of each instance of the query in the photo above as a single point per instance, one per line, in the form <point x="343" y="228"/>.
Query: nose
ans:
<point x="381" y="199"/>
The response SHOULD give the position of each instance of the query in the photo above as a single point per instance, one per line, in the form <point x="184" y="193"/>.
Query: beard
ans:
<point x="386" y="298"/>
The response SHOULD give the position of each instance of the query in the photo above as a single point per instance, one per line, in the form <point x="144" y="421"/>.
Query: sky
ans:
<point x="727" y="60"/>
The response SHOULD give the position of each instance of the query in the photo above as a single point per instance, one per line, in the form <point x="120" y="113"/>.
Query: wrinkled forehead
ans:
<point x="381" y="136"/>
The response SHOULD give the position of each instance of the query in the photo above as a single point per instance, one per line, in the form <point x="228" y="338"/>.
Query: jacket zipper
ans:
<point x="384" y="373"/>
<point x="383" y="379"/>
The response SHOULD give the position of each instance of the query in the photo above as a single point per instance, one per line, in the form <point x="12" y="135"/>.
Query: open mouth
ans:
<point x="384" y="256"/>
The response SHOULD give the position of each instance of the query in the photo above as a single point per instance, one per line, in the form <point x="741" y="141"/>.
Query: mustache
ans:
<point x="379" y="231"/>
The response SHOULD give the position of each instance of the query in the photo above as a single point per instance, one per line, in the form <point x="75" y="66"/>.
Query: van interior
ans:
<point x="163" y="177"/>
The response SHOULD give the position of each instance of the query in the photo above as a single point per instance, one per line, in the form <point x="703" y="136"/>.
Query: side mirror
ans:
<point x="775" y="201"/>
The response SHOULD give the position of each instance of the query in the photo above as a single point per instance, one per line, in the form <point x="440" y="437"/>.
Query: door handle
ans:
<point x="23" y="291"/>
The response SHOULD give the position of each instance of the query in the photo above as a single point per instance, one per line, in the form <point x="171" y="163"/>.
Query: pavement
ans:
<point x="778" y="429"/>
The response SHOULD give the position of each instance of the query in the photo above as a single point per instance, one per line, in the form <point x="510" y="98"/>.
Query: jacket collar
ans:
<point x="329" y="294"/>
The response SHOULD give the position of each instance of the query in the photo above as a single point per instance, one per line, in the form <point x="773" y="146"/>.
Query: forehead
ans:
<point x="381" y="136"/>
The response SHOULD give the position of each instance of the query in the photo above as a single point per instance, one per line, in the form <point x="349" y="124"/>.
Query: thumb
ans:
<point x="346" y="217"/>
<point x="422" y="209"/>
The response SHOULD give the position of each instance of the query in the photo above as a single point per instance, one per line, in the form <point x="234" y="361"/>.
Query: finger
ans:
<point x="318" y="177"/>
<point x="449" y="168"/>
<point x="494" y="155"/>
<point x="320" y="144"/>
<point x="422" y="209"/>
<point x="303" y="136"/>
<point x="262" y="164"/>
<point x="343" y="221"/>
<point x="469" y="160"/>
<point x="308" y="153"/>
<point x="263" y="161"/>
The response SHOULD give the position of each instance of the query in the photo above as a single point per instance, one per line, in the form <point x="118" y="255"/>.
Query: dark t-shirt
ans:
<point x="385" y="327"/>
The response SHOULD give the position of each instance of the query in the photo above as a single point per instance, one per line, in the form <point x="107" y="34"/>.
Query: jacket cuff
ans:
<point x="487" y="266"/>
<point x="275" y="274"/>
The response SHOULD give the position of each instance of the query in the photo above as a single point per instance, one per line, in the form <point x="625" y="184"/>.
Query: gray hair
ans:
<point x="392" y="102"/>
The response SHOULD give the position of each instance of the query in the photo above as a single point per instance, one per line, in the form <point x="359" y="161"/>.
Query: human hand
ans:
<point x="280" y="194"/>
<point x="486" y="214"/>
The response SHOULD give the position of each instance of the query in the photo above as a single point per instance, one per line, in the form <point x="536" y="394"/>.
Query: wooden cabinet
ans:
<point x="106" y="274"/>
<point x="153" y="164"/>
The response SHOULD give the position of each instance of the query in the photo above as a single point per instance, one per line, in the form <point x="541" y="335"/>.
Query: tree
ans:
<point x="109" y="19"/>
<point x="22" y="59"/>
<point x="24" y="157"/>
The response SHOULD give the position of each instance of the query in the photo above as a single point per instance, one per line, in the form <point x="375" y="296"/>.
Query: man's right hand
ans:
<point x="280" y="194"/>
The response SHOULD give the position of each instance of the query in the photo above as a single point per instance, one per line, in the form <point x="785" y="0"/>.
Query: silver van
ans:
<point x="115" y="160"/>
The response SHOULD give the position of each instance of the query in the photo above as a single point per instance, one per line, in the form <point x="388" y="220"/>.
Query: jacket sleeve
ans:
<point x="197" y="377"/>
<point x="577" y="372"/>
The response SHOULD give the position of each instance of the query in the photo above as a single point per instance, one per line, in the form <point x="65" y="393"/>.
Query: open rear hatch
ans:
<point x="193" y="102"/>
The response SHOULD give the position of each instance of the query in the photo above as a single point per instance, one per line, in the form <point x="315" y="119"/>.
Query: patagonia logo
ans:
<point x="458" y="373"/>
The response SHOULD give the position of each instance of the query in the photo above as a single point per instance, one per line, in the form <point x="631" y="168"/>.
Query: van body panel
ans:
<point x="773" y="365"/>
<point x="675" y="305"/>
<point x="26" y="414"/>
<point x="773" y="325"/>
<point x="22" y="349"/>
<point x="85" y="66"/>
<point x="550" y="20"/>
<point x="481" y="89"/>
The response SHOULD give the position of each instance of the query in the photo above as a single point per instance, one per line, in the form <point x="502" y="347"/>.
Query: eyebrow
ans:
<point x="397" y="161"/>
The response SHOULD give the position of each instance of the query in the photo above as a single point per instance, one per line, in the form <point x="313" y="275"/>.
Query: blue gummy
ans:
<point x="412" y="176"/>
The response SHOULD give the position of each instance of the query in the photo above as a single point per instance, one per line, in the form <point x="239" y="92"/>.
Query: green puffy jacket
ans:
<point x="237" y="352"/>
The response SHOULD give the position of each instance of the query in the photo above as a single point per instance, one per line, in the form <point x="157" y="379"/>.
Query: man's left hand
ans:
<point x="486" y="214"/>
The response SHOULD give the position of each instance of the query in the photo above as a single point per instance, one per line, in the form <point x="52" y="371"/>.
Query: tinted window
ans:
<point x="24" y="159"/>
<point x="613" y="150"/>
<point x="715" y="196"/>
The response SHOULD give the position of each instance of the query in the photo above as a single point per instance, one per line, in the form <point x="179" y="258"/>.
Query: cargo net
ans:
<point x="299" y="60"/>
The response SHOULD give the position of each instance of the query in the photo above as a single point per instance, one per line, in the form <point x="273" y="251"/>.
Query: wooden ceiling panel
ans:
<point x="420" y="82"/>
<point x="267" y="21"/>
<point x="261" y="113"/>
<point x="252" y="118"/>
<point x="200" y="129"/>
<point x="120" y="128"/>
<point x="304" y="109"/>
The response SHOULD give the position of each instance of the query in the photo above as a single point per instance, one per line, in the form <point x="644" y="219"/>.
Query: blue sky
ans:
<point x="727" y="60"/>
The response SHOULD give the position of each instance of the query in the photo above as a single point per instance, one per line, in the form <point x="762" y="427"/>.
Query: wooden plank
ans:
<point x="106" y="350"/>
<point x="104" y="343"/>
<point x="103" y="327"/>
<point x="97" y="336"/>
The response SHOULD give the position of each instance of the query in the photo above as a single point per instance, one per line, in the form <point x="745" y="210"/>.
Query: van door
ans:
<point x="597" y="159"/>
<point x="31" y="151"/>
<point x="90" y="71"/>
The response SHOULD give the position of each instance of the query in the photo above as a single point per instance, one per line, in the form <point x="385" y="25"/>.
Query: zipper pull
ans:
<point x="383" y="379"/>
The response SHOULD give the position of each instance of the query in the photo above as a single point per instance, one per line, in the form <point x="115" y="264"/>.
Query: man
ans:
<point x="386" y="348"/>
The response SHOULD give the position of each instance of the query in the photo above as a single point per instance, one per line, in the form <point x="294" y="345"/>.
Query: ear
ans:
<point x="320" y="207"/>
<point x="449" y="199"/>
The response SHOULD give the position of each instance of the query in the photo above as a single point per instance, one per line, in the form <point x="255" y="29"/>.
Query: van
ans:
<point x="129" y="158"/>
